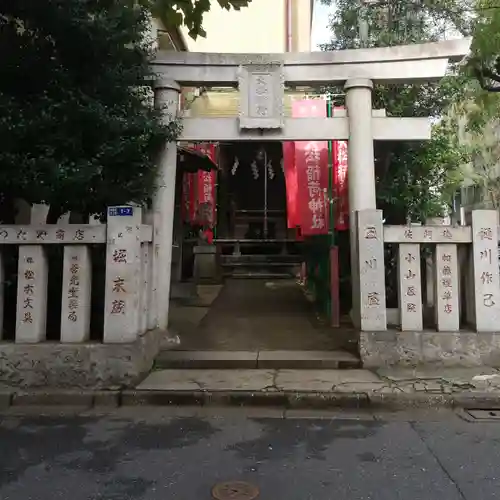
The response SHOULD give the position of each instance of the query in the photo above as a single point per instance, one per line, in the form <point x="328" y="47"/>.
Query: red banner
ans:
<point x="199" y="191"/>
<point x="206" y="182"/>
<point x="311" y="161"/>
<point x="341" y="186"/>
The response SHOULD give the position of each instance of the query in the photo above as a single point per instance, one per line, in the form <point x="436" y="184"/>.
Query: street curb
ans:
<point x="310" y="400"/>
<point x="324" y="401"/>
<point x="67" y="398"/>
<point x="5" y="399"/>
<point x="418" y="400"/>
<point x="408" y="401"/>
<point x="296" y="400"/>
<point x="107" y="399"/>
<point x="289" y="400"/>
<point x="478" y="401"/>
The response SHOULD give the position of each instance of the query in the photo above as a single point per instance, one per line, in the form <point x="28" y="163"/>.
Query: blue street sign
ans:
<point x="121" y="211"/>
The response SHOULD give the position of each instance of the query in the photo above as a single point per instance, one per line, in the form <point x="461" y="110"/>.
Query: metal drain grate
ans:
<point x="235" y="490"/>
<point x="489" y="414"/>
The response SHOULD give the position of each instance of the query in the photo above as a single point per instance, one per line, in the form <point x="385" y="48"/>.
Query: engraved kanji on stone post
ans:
<point x="371" y="277"/>
<point x="31" y="294"/>
<point x="410" y="288"/>
<point x="447" y="294"/>
<point x="76" y="290"/>
<point x="486" y="281"/>
<point x="123" y="274"/>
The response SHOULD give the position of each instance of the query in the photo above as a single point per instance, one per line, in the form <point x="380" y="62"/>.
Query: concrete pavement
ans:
<point x="390" y="380"/>
<point x="150" y="454"/>
<point x="390" y="388"/>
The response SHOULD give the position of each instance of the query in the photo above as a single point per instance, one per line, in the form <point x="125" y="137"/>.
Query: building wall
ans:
<point x="260" y="27"/>
<point x="302" y="13"/>
<point x="225" y="103"/>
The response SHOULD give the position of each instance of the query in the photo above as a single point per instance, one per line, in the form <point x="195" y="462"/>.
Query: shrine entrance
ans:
<point x="262" y="305"/>
<point x="252" y="237"/>
<point x="252" y="192"/>
<point x="262" y="81"/>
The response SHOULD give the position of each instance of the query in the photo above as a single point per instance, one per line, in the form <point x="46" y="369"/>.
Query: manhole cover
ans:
<point x="235" y="490"/>
<point x="490" y="414"/>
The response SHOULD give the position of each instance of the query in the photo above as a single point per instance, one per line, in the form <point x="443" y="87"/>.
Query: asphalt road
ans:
<point x="153" y="454"/>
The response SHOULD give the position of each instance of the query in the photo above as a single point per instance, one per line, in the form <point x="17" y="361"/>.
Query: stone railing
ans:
<point x="128" y="290"/>
<point x="464" y="281"/>
<point x="130" y="306"/>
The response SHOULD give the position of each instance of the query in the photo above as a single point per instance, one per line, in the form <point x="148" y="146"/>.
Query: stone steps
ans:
<point x="266" y="266"/>
<point x="292" y="360"/>
<point x="261" y="275"/>
<point x="257" y="259"/>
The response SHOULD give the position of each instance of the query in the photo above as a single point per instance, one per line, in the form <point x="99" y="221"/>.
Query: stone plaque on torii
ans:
<point x="262" y="95"/>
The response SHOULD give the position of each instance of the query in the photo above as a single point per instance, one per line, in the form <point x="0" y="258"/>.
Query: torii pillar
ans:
<point x="167" y="99"/>
<point x="361" y="170"/>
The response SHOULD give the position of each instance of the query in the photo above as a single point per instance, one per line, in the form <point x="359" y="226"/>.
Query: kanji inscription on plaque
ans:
<point x="262" y="93"/>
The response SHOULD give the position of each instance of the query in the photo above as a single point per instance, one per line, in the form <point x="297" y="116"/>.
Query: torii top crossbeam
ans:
<point x="427" y="61"/>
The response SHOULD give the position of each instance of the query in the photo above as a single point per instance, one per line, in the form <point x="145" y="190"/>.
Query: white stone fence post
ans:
<point x="370" y="308"/>
<point x="130" y="291"/>
<point x="482" y="283"/>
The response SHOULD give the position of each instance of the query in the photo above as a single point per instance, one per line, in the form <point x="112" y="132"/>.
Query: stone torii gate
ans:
<point x="261" y="80"/>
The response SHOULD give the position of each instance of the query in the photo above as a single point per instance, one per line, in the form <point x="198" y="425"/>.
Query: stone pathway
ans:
<point x="255" y="315"/>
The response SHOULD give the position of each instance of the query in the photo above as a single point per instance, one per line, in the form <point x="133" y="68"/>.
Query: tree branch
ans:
<point x="482" y="74"/>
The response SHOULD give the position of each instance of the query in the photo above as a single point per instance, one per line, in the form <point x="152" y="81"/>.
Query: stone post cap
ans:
<point x="358" y="83"/>
<point x="164" y="83"/>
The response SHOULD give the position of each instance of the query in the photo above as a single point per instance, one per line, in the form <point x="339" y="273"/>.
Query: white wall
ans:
<point x="260" y="27"/>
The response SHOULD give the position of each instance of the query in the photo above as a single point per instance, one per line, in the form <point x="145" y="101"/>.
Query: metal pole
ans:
<point x="265" y="194"/>
<point x="331" y="200"/>
<point x="333" y="254"/>
<point x="216" y="192"/>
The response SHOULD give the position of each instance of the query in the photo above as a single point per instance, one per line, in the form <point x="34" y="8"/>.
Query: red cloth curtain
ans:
<point x="199" y="191"/>
<point x="311" y="163"/>
<point x="341" y="186"/>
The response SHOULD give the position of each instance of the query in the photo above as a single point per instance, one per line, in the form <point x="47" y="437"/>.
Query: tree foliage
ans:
<point x="188" y="12"/>
<point x="484" y="61"/>
<point x="414" y="180"/>
<point x="477" y="114"/>
<point x="77" y="127"/>
<point x="76" y="124"/>
<point x="382" y="23"/>
<point x="477" y="119"/>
